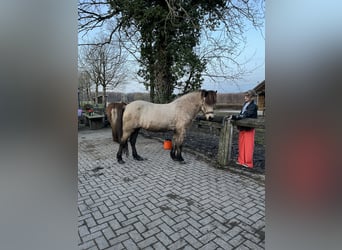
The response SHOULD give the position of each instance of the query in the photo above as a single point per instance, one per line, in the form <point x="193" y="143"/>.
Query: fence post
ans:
<point x="225" y="143"/>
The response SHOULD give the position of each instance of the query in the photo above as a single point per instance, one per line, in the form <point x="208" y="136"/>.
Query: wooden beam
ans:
<point x="250" y="122"/>
<point x="225" y="143"/>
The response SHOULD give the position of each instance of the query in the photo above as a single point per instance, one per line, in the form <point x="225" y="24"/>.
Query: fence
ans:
<point x="223" y="127"/>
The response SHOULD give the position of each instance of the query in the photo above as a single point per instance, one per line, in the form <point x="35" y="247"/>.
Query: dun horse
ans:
<point x="127" y="119"/>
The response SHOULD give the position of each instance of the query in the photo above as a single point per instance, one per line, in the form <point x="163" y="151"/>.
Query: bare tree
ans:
<point x="179" y="42"/>
<point x="84" y="84"/>
<point x="105" y="64"/>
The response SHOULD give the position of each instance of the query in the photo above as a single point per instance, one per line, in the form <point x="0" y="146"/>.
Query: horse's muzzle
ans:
<point x="209" y="116"/>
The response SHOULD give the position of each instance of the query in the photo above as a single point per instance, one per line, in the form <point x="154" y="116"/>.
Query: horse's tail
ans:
<point x="114" y="113"/>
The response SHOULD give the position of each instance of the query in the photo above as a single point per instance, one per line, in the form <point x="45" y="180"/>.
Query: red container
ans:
<point x="167" y="144"/>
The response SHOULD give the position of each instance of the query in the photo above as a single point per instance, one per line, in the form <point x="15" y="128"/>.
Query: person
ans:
<point x="246" y="134"/>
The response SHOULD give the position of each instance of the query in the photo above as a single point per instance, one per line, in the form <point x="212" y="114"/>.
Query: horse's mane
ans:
<point x="210" y="96"/>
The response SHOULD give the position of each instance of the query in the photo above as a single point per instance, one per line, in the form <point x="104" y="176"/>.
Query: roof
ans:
<point x="260" y="87"/>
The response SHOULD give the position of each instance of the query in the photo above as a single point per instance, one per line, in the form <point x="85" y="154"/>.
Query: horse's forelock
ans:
<point x="210" y="96"/>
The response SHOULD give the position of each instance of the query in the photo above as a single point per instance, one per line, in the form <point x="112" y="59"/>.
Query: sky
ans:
<point x="253" y="53"/>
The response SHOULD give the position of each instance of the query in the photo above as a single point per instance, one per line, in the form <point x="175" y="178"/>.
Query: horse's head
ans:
<point x="208" y="103"/>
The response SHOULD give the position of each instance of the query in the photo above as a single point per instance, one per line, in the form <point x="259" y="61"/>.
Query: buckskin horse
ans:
<point x="127" y="119"/>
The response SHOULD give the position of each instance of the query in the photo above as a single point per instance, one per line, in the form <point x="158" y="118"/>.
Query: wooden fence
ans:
<point x="224" y="127"/>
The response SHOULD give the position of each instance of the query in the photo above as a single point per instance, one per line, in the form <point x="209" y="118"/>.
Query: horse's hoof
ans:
<point x="138" y="158"/>
<point x="181" y="161"/>
<point x="121" y="162"/>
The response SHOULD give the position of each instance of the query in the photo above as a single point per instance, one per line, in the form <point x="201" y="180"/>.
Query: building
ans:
<point x="260" y="90"/>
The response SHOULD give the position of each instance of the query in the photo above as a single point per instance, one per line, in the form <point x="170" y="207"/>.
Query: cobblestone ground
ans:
<point x="160" y="204"/>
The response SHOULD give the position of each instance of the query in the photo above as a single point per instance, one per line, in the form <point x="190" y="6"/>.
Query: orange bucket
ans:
<point x="167" y="144"/>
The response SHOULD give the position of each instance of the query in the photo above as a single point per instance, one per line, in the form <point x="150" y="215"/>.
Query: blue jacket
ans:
<point x="250" y="112"/>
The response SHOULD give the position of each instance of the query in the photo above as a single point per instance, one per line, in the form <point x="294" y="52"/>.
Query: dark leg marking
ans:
<point x="133" y="140"/>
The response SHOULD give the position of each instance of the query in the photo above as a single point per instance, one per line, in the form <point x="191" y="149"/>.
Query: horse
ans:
<point x="127" y="119"/>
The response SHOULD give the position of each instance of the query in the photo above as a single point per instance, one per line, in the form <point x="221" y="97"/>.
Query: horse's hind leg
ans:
<point x="133" y="140"/>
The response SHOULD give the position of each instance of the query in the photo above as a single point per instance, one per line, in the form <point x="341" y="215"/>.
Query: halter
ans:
<point x="203" y="108"/>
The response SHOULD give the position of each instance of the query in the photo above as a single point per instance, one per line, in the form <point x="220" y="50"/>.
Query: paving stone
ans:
<point x="208" y="237"/>
<point x="161" y="204"/>
<point x="115" y="225"/>
<point x="194" y="242"/>
<point x="252" y="245"/>
<point x="101" y="242"/>
<point x="169" y="221"/>
<point x="129" y="221"/>
<point x="193" y="223"/>
<point x="120" y="217"/>
<point x="124" y="230"/>
<point x="135" y="236"/>
<point x="234" y="231"/>
<point x="222" y="243"/>
<point x="130" y="244"/>
<point x="98" y="228"/>
<point x="144" y="219"/>
<point x="189" y="247"/>
<point x="150" y="232"/>
<point x="164" y="238"/>
<point x="236" y="241"/>
<point x="118" y="246"/>
<point x="159" y="246"/>
<point x="179" y="244"/>
<point x="91" y="236"/>
<point x="87" y="245"/>
<point x="166" y="229"/>
<point x="210" y="245"/>
<point x="90" y="222"/>
<point x="242" y="247"/>
<point x="140" y="227"/>
<point x="118" y="239"/>
<point x="108" y="233"/>
<point x="148" y="242"/>
<point x="106" y="219"/>
<point x="256" y="217"/>
<point x="83" y="230"/>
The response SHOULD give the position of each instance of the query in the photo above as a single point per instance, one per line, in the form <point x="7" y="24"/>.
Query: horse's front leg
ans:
<point x="133" y="140"/>
<point x="179" y="153"/>
<point x="123" y="147"/>
<point x="176" y="151"/>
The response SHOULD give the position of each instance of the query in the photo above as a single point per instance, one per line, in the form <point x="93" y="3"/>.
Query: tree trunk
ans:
<point x="96" y="93"/>
<point x="104" y="96"/>
<point x="88" y="94"/>
<point x="152" y="93"/>
<point x="164" y="87"/>
<point x="152" y="82"/>
<point x="163" y="76"/>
